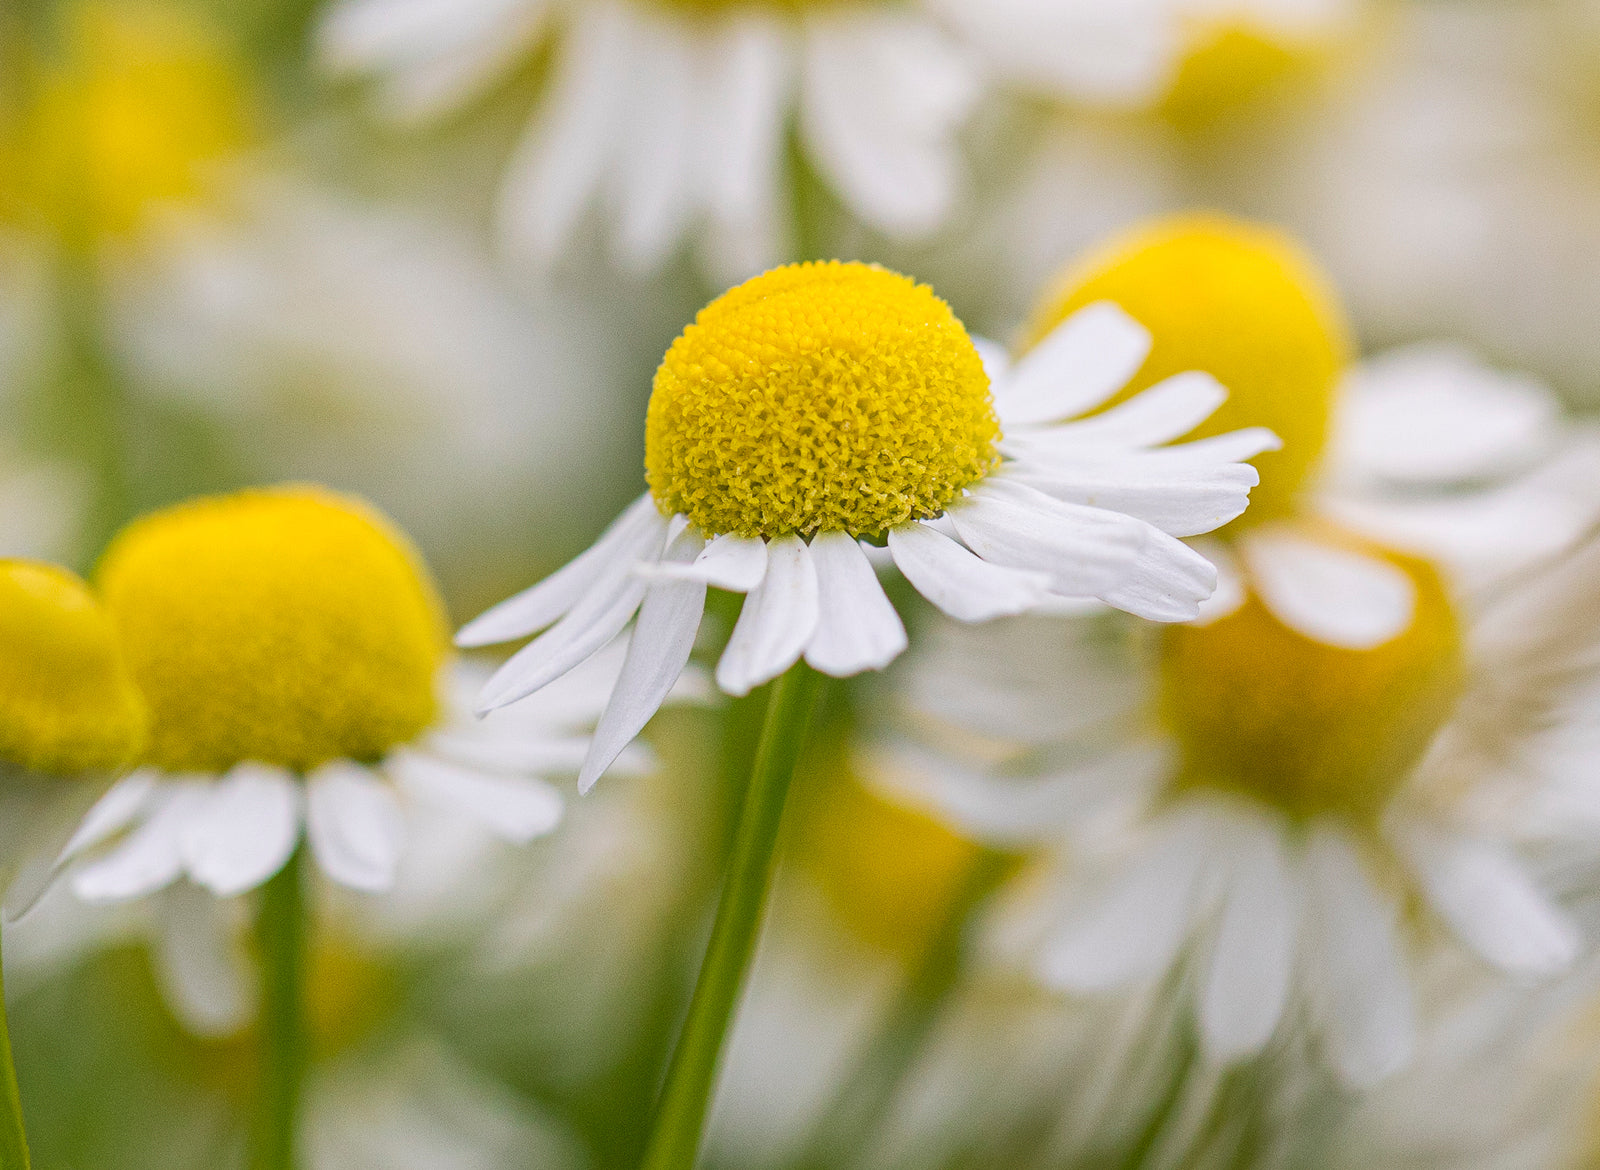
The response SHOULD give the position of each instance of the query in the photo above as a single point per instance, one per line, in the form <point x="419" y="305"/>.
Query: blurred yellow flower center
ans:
<point x="1229" y="65"/>
<point x="819" y="397"/>
<point x="891" y="874"/>
<point x="67" y="702"/>
<point x="1260" y="708"/>
<point x="1240" y="302"/>
<point x="141" y="100"/>
<point x="291" y="626"/>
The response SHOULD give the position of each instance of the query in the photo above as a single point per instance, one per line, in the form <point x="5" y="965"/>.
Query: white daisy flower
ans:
<point x="820" y="404"/>
<point x="1262" y="790"/>
<point x="671" y="114"/>
<point x="293" y="656"/>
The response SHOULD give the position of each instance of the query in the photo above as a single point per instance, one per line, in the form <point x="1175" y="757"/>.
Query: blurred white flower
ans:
<point x="1262" y="792"/>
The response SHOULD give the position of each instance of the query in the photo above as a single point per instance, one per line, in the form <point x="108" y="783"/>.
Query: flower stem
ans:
<point x="281" y="936"/>
<point x="681" y="1111"/>
<point x="13" y="1139"/>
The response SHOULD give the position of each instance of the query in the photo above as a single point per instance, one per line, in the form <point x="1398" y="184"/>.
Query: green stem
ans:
<point x="13" y="1138"/>
<point x="681" y="1112"/>
<point x="281" y="934"/>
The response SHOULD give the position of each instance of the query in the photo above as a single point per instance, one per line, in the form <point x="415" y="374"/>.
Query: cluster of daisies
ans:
<point x="1249" y="655"/>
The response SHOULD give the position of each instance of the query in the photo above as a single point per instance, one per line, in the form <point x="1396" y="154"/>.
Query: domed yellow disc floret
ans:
<point x="140" y="101"/>
<point x="1229" y="64"/>
<point x="67" y="702"/>
<point x="1305" y="726"/>
<point x="1240" y="302"/>
<point x="291" y="626"/>
<point x="819" y="397"/>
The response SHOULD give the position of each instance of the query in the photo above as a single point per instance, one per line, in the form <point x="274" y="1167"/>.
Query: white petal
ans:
<point x="148" y="858"/>
<point x="1356" y="964"/>
<point x="1085" y="551"/>
<point x="881" y="98"/>
<point x="205" y="978"/>
<point x="653" y="176"/>
<point x="518" y="809"/>
<point x="747" y="86"/>
<point x="777" y="621"/>
<point x="1166" y="411"/>
<point x="1334" y="595"/>
<point x="1435" y="414"/>
<point x="857" y="628"/>
<point x="1490" y="902"/>
<point x="562" y="158"/>
<point x="736" y="563"/>
<point x="1230" y="592"/>
<point x="535" y="608"/>
<point x="662" y="640"/>
<point x="243" y="831"/>
<point x="1132" y="929"/>
<point x="355" y="826"/>
<point x="1081" y="363"/>
<point x="958" y="581"/>
<point x="995" y="358"/>
<point x="115" y="811"/>
<point x="1168" y="582"/>
<point x="595" y="620"/>
<point x="1252" y="958"/>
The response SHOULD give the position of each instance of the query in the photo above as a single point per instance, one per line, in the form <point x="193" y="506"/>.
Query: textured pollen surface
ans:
<point x="819" y="397"/>
<point x="290" y="625"/>
<point x="1242" y="303"/>
<point x="1305" y="726"/>
<point x="67" y="702"/>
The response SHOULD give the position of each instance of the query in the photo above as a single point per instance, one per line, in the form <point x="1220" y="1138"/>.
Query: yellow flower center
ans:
<point x="67" y="702"/>
<point x="1244" y="304"/>
<point x="819" y="397"/>
<point x="1229" y="65"/>
<point x="141" y="100"/>
<point x="1307" y="727"/>
<point x="290" y="625"/>
<point x="891" y="874"/>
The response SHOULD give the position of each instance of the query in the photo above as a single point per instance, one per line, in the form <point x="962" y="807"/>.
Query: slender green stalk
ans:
<point x="13" y="1139"/>
<point x="281" y="935"/>
<point x="686" y="1096"/>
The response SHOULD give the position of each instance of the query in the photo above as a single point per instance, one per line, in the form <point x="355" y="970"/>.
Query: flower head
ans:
<point x="819" y="397"/>
<point x="1240" y="302"/>
<point x="67" y="702"/>
<point x="290" y="626"/>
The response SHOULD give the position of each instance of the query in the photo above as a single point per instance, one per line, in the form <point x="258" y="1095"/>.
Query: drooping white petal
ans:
<point x="857" y="628"/>
<point x="516" y="808"/>
<point x="563" y="156"/>
<point x="1168" y="582"/>
<point x="1356" y="964"/>
<point x="355" y="826"/>
<point x="1085" y="551"/>
<point x="881" y="97"/>
<point x="959" y="582"/>
<point x="657" y="653"/>
<point x="777" y="621"/>
<point x="748" y="80"/>
<point x="1166" y="411"/>
<point x="114" y="811"/>
<point x="1230" y="592"/>
<point x="1132" y="929"/>
<point x="1253" y="952"/>
<point x="653" y="180"/>
<point x="536" y="607"/>
<point x="243" y="831"/>
<point x="736" y="563"/>
<point x="995" y="358"/>
<point x="1334" y="595"/>
<point x="149" y="858"/>
<point x="203" y="975"/>
<point x="1084" y="361"/>
<point x="595" y="620"/>
<point x="1490" y="902"/>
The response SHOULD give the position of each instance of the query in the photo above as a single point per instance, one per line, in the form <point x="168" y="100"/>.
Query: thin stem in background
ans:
<point x="685" y="1099"/>
<point x="13" y="1138"/>
<point x="281" y="930"/>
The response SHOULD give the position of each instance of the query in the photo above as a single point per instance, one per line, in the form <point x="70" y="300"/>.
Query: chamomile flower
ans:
<point x="1280" y="777"/>
<point x="295" y="660"/>
<point x="675" y="111"/>
<point x="819" y="405"/>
